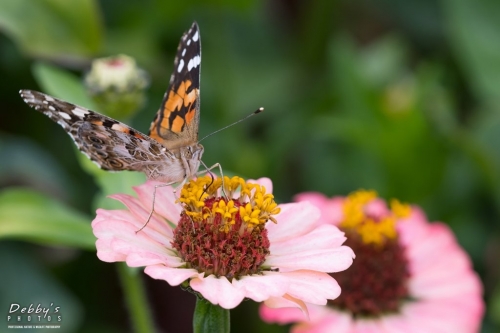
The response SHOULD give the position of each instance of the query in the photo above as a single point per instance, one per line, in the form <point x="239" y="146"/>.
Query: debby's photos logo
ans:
<point x="34" y="313"/>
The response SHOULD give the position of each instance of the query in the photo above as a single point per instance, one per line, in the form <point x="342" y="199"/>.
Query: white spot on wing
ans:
<point x="194" y="62"/>
<point x="51" y="108"/>
<point x="65" y="115"/>
<point x="118" y="127"/>
<point x="195" y="37"/>
<point x="189" y="42"/>
<point x="181" y="65"/>
<point x="48" y="98"/>
<point x="183" y="52"/>
<point x="62" y="123"/>
<point x="79" y="112"/>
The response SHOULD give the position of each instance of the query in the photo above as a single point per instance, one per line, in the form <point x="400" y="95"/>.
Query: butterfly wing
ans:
<point x="109" y="143"/>
<point x="176" y="123"/>
<point x="115" y="146"/>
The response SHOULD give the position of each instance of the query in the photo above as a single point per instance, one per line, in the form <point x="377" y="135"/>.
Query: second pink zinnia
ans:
<point x="409" y="275"/>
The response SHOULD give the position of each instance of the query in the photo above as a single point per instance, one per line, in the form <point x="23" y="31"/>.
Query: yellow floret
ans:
<point x="257" y="208"/>
<point x="371" y="230"/>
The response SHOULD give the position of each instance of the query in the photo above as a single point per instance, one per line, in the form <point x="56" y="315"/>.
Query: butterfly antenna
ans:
<point x="259" y="110"/>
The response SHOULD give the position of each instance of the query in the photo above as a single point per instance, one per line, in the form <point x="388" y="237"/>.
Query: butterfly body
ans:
<point x="170" y="153"/>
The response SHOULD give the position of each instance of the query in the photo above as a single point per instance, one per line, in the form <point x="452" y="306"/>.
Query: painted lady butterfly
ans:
<point x="170" y="153"/>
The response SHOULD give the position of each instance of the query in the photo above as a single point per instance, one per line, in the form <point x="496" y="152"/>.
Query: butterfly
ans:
<point x="170" y="153"/>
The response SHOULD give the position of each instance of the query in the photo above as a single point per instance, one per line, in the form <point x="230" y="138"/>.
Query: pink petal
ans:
<point x="322" y="237"/>
<point x="440" y="284"/>
<point x="367" y="326"/>
<point x="281" y="302"/>
<point x="105" y="252"/>
<point x="398" y="323"/>
<point x="165" y="200"/>
<point x="432" y="317"/>
<point x="317" y="250"/>
<point x="435" y="276"/>
<point x="126" y="242"/>
<point x="280" y="315"/>
<point x="145" y="258"/>
<point x="334" y="323"/>
<point x="174" y="276"/>
<point x="155" y="224"/>
<point x="118" y="214"/>
<point x="261" y="287"/>
<point x="461" y="313"/>
<point x="295" y="219"/>
<point x="322" y="319"/>
<point x="218" y="291"/>
<point x="287" y="301"/>
<point x="266" y="182"/>
<point x="329" y="261"/>
<point x="331" y="209"/>
<point x="377" y="208"/>
<point x="317" y="199"/>
<point x="118" y="241"/>
<point x="123" y="230"/>
<point x="412" y="229"/>
<point x="312" y="287"/>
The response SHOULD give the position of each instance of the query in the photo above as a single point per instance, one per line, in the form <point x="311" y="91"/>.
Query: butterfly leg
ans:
<point x="154" y="199"/>
<point x="207" y="170"/>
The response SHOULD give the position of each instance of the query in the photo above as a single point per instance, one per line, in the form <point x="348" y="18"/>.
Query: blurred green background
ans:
<point x="400" y="97"/>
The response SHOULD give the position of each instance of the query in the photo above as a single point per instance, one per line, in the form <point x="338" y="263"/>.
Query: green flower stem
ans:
<point x="135" y="297"/>
<point x="210" y="318"/>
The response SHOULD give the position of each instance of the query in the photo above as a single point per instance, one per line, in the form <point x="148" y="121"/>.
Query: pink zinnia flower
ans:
<point x="220" y="243"/>
<point x="409" y="275"/>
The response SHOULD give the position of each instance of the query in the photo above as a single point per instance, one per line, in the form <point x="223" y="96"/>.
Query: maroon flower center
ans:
<point x="212" y="245"/>
<point x="377" y="281"/>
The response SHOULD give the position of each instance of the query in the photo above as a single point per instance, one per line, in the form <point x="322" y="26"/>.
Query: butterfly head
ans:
<point x="192" y="152"/>
<point x="191" y="156"/>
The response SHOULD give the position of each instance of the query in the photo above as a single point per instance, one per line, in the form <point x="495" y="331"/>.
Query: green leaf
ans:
<point x="54" y="29"/>
<point x="210" y="318"/>
<point x="23" y="159"/>
<point x="481" y="144"/>
<point x="474" y="28"/>
<point x="494" y="305"/>
<point x="62" y="84"/>
<point x="31" y="216"/>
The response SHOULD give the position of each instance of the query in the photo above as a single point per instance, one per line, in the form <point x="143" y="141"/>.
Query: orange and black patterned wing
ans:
<point x="176" y="123"/>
